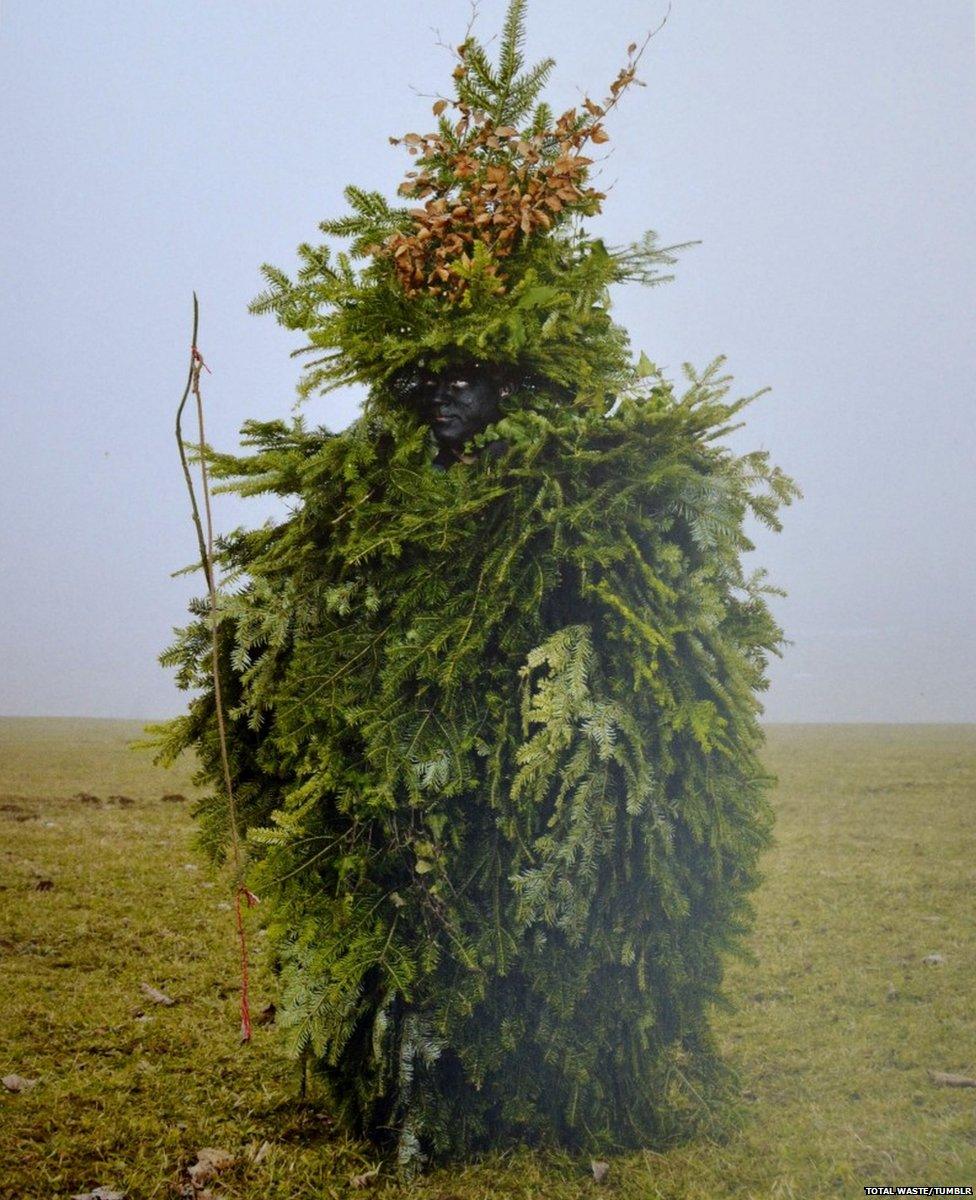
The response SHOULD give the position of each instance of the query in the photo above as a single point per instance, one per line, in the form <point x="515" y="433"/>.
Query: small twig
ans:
<point x="653" y="34"/>
<point x="429" y="95"/>
<point x="346" y="511"/>
<point x="205" y="562"/>
<point x="439" y="41"/>
<point x="472" y="20"/>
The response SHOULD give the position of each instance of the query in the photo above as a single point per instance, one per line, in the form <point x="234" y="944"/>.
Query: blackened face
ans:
<point x="459" y="403"/>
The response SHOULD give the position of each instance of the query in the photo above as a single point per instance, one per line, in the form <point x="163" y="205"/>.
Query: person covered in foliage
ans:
<point x="492" y="685"/>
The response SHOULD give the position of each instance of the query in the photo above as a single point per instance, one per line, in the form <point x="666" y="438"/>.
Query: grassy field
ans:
<point x="835" y="1032"/>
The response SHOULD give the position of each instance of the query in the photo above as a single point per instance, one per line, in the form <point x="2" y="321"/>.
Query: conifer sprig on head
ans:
<point x="492" y="260"/>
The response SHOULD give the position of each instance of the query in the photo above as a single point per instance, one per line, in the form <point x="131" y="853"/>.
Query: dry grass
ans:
<point x="837" y="1025"/>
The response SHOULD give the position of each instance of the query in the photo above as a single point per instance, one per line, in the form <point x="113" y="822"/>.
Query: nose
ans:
<point x="442" y="397"/>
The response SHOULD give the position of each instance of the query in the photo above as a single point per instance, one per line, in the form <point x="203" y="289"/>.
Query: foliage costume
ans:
<point x="493" y="728"/>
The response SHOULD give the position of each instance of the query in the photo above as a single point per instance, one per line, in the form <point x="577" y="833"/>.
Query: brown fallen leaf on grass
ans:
<point x="365" y="1179"/>
<point x="947" y="1079"/>
<point x="210" y="1162"/>
<point x="219" y="1159"/>
<point x="155" y="995"/>
<point x="16" y="812"/>
<point x="200" y="1173"/>
<point x="17" y="1083"/>
<point x="599" y="1170"/>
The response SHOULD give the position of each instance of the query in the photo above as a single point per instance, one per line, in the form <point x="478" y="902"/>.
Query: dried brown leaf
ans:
<point x="365" y="1179"/>
<point x="218" y="1158"/>
<point x="155" y="995"/>
<point x="17" y="1083"/>
<point x="946" y="1079"/>
<point x="201" y="1173"/>
<point x="211" y="1160"/>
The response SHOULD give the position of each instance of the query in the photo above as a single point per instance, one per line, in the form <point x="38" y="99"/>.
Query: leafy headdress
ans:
<point x="490" y="261"/>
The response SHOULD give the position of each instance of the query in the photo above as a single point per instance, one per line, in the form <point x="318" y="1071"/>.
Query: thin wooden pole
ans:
<point x="206" y="547"/>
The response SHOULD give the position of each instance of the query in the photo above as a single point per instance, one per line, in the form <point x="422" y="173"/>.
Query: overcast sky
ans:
<point x="823" y="152"/>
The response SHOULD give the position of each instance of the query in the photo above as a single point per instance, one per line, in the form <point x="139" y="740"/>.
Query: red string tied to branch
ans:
<point x="251" y="900"/>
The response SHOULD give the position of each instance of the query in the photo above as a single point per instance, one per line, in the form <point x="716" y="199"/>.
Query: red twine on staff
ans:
<point x="245" y="1004"/>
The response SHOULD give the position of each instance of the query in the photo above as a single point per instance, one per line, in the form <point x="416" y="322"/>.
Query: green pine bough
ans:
<point x="494" y="730"/>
